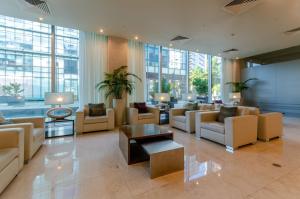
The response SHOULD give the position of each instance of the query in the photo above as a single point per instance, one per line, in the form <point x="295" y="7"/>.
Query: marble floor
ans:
<point x="92" y="166"/>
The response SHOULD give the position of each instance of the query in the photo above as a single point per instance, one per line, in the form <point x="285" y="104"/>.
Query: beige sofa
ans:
<point x="134" y="117"/>
<point x="11" y="154"/>
<point x="34" y="133"/>
<point x="85" y="123"/>
<point x="270" y="125"/>
<point x="234" y="132"/>
<point x="185" y="120"/>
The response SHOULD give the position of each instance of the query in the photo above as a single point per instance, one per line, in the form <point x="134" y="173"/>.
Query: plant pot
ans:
<point x="119" y="106"/>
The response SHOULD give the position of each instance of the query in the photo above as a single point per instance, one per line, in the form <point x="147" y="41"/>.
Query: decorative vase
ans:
<point x="119" y="106"/>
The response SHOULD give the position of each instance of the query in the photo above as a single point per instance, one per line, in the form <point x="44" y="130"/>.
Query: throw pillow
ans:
<point x="226" y="112"/>
<point x="97" y="109"/>
<point x="141" y="107"/>
<point x="191" y="106"/>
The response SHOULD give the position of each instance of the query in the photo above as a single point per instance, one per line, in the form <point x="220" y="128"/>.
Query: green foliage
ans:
<point x="165" y="86"/>
<point x="13" y="89"/>
<point x="240" y="86"/>
<point x="117" y="83"/>
<point x="199" y="80"/>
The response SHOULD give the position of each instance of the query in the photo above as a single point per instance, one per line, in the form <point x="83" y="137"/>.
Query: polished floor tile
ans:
<point x="92" y="166"/>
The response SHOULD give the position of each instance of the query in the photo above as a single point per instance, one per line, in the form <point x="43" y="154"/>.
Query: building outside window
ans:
<point x="181" y="72"/>
<point x="25" y="64"/>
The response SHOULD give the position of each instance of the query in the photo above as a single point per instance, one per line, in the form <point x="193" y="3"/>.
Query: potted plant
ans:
<point x="116" y="85"/>
<point x="239" y="87"/>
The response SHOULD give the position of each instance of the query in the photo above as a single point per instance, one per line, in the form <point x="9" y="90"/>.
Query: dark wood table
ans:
<point x="132" y="136"/>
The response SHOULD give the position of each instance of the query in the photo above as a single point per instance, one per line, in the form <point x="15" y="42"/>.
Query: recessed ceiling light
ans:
<point x="170" y="44"/>
<point x="101" y="30"/>
<point x="236" y="57"/>
<point x="136" y="38"/>
<point x="41" y="18"/>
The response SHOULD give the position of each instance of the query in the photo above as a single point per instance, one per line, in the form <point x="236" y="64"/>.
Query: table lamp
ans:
<point x="188" y="97"/>
<point x="235" y="97"/>
<point x="62" y="98"/>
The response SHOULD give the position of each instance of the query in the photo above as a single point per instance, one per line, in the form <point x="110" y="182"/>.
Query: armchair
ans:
<point x="134" y="117"/>
<point x="85" y="123"/>
<point x="11" y="154"/>
<point x="234" y="132"/>
<point x="185" y="120"/>
<point x="34" y="134"/>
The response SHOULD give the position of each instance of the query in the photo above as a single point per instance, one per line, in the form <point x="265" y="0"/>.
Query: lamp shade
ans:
<point x="188" y="97"/>
<point x="162" y="97"/>
<point x="59" y="98"/>
<point x="235" y="96"/>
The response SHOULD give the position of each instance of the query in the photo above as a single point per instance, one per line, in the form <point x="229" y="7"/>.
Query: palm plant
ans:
<point x="240" y="86"/>
<point x="117" y="83"/>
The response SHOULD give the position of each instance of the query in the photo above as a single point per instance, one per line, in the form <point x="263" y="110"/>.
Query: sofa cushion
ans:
<point x="96" y="119"/>
<point x="38" y="133"/>
<point x="180" y="118"/>
<point x="206" y="107"/>
<point x="245" y="110"/>
<point x="190" y="106"/>
<point x="141" y="107"/>
<point x="214" y="126"/>
<point x="7" y="156"/>
<point x="97" y="109"/>
<point x="226" y="112"/>
<point x="146" y="116"/>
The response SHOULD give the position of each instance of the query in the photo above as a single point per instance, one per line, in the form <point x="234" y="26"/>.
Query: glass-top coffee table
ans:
<point x="132" y="136"/>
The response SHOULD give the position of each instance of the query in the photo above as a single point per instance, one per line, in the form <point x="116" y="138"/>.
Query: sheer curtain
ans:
<point x="136" y="66"/>
<point x="230" y="73"/>
<point x="92" y="66"/>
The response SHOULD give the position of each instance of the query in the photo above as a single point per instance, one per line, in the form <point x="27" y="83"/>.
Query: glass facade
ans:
<point x="180" y="72"/>
<point x="25" y="63"/>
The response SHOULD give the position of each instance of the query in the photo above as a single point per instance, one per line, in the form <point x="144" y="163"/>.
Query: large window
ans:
<point x="179" y="72"/>
<point x="25" y="64"/>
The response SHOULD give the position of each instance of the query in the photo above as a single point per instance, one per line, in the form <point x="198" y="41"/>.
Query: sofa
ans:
<point x="85" y="123"/>
<point x="270" y="125"/>
<point x="11" y="154"/>
<point x="234" y="132"/>
<point x="185" y="120"/>
<point x="34" y="133"/>
<point x="134" y="117"/>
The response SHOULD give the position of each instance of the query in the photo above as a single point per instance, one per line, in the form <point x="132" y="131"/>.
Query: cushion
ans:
<point x="95" y="119"/>
<point x="180" y="118"/>
<point x="7" y="156"/>
<point x="226" y="112"/>
<point x="206" y="107"/>
<point x="214" y="126"/>
<point x="97" y="109"/>
<point x="244" y="110"/>
<point x="141" y="107"/>
<point x="146" y="116"/>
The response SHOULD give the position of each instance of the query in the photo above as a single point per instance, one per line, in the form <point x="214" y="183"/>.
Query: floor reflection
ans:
<point x="195" y="170"/>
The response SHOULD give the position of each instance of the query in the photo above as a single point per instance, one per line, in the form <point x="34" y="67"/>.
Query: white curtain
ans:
<point x="92" y="66"/>
<point x="136" y="66"/>
<point x="230" y="73"/>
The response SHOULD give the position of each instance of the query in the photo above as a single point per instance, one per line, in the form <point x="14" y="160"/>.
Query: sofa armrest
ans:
<point x="111" y="118"/>
<point x="13" y="138"/>
<point x="177" y="111"/>
<point x="240" y="130"/>
<point x="132" y="115"/>
<point x="270" y="125"/>
<point x="79" y="121"/>
<point x="38" y="122"/>
<point x="155" y="111"/>
<point x="190" y="121"/>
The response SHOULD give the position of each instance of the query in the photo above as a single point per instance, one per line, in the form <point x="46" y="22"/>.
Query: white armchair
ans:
<point x="134" y="117"/>
<point x="11" y="154"/>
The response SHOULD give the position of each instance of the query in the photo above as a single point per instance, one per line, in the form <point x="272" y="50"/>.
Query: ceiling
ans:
<point x="210" y="29"/>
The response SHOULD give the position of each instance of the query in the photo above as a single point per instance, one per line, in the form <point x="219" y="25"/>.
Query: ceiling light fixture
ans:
<point x="101" y="30"/>
<point x="136" y="38"/>
<point x="170" y="44"/>
<point x="237" y="58"/>
<point x="41" y="18"/>
<point x="197" y="50"/>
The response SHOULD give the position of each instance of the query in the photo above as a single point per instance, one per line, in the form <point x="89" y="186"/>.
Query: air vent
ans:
<point x="240" y="6"/>
<point x="230" y="50"/>
<point x="292" y="31"/>
<point x="179" y="38"/>
<point x="42" y="5"/>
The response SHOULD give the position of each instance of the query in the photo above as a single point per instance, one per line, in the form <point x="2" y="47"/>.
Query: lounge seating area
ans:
<point x="141" y="99"/>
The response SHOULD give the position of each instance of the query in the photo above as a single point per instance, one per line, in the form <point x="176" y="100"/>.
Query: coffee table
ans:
<point x="131" y="137"/>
